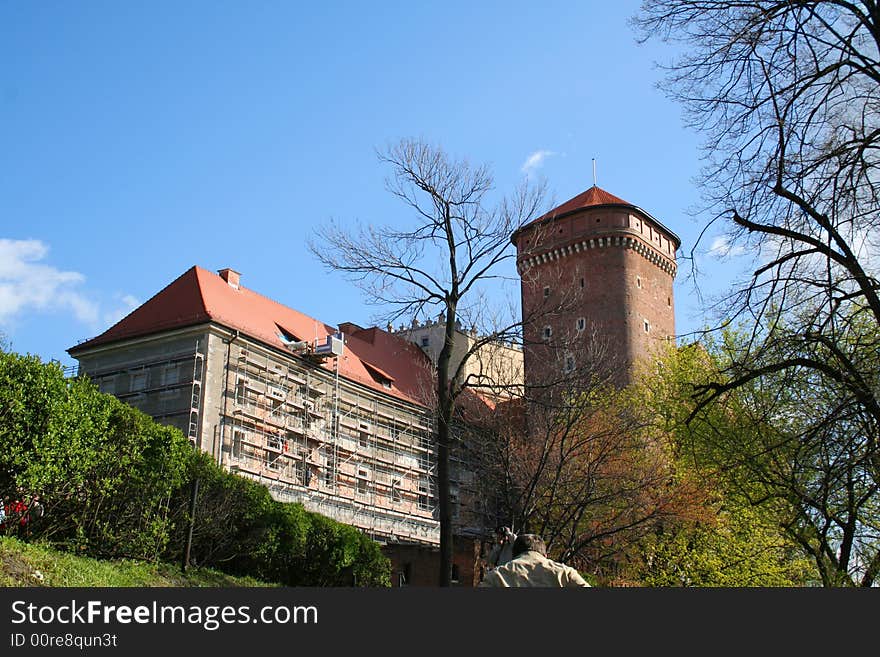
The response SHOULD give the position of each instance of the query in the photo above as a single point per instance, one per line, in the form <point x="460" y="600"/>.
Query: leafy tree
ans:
<point x="739" y="537"/>
<point x="103" y="470"/>
<point x="786" y="93"/>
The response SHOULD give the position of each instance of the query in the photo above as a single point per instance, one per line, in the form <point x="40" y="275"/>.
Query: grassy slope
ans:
<point x="25" y="564"/>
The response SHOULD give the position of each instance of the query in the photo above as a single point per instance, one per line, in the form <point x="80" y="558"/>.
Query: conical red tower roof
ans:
<point x="592" y="197"/>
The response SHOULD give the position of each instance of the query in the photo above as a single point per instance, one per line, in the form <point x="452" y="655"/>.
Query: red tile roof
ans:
<point x="594" y="197"/>
<point x="199" y="296"/>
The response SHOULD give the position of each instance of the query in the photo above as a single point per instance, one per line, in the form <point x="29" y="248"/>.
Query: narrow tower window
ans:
<point x="581" y="324"/>
<point x="548" y="331"/>
<point x="546" y="291"/>
<point x="647" y="326"/>
<point x="638" y="282"/>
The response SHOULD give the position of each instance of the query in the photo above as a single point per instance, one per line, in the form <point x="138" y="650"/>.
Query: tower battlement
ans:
<point x="596" y="282"/>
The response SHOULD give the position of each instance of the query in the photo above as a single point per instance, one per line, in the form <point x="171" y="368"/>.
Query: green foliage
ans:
<point x="736" y="536"/>
<point x="742" y="547"/>
<point x="116" y="484"/>
<point x="240" y="529"/>
<point x="103" y="470"/>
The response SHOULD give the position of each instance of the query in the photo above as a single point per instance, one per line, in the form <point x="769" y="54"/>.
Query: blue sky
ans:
<point x="139" y="139"/>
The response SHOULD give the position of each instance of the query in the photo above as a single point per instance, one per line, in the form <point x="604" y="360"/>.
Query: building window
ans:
<point x="546" y="291"/>
<point x="237" y="440"/>
<point x="647" y="326"/>
<point x="363" y="483"/>
<point x="301" y="470"/>
<point x="638" y="282"/>
<point x="669" y="302"/>
<point x="108" y="385"/>
<point x="138" y="381"/>
<point x="569" y="364"/>
<point x="425" y="341"/>
<point x="240" y="391"/>
<point x="581" y="324"/>
<point x="363" y="439"/>
<point x="170" y="375"/>
<point x="395" y="491"/>
<point x="424" y="495"/>
<point x="455" y="573"/>
<point x="548" y="332"/>
<point x="329" y="474"/>
<point x="582" y="283"/>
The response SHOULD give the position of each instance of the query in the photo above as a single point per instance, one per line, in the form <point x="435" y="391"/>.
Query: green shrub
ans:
<point x="114" y="483"/>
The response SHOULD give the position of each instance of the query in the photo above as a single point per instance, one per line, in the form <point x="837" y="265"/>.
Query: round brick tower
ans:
<point x="596" y="280"/>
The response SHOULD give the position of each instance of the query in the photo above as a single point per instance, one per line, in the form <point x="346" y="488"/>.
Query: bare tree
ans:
<point x="787" y="94"/>
<point x="453" y="247"/>
<point x="577" y="461"/>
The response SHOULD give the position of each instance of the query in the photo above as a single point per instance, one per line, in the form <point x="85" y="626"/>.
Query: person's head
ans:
<point x="502" y="532"/>
<point x="529" y="543"/>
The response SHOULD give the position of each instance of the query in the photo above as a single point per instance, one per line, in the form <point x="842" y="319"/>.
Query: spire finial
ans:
<point x="594" y="172"/>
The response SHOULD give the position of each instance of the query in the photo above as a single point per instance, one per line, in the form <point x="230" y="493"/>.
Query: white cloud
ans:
<point x="27" y="284"/>
<point x="721" y="247"/>
<point x="535" y="161"/>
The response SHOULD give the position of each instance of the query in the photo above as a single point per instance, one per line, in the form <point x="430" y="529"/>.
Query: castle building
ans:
<point x="341" y="418"/>
<point x="596" y="283"/>
<point x="492" y="368"/>
<point x="337" y="418"/>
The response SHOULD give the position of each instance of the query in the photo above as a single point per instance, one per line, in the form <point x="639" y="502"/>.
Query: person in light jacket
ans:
<point x="531" y="567"/>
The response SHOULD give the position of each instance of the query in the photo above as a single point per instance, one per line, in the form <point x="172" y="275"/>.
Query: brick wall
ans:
<point x="416" y="565"/>
<point x="601" y="281"/>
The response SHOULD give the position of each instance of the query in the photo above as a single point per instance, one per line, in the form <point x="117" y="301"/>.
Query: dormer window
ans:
<point x="379" y="376"/>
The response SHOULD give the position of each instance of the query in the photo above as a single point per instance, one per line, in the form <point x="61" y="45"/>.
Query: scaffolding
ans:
<point x="341" y="449"/>
<point x="195" y="397"/>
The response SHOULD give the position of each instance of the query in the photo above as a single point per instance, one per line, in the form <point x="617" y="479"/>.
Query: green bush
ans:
<point x="241" y="530"/>
<point x="114" y="484"/>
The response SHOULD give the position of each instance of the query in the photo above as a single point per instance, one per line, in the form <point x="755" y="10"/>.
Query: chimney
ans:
<point x="230" y="276"/>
